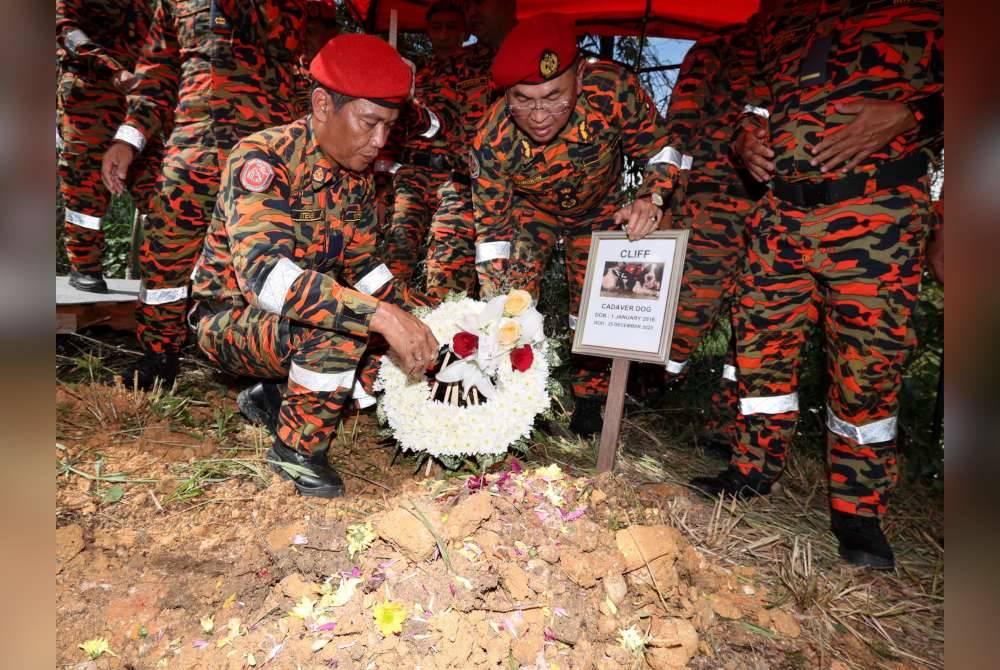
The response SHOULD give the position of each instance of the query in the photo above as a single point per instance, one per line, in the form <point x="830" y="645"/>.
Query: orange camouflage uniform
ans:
<point x="216" y="70"/>
<point x="289" y="278"/>
<point x="527" y="197"/>
<point x="857" y="256"/>
<point x="96" y="40"/>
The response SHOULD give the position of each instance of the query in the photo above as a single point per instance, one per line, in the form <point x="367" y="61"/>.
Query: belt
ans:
<point x="462" y="178"/>
<point x="807" y="194"/>
<point x="428" y="160"/>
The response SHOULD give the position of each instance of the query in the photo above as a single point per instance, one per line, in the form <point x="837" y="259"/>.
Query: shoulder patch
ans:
<point x="256" y="175"/>
<point x="473" y="164"/>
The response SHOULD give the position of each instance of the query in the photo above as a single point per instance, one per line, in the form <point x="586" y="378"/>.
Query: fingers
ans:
<point x="644" y="220"/>
<point x="621" y="216"/>
<point x="861" y="155"/>
<point x="755" y="154"/>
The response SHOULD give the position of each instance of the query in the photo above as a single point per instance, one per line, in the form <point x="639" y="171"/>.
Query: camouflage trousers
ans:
<point x="90" y="110"/>
<point x="324" y="370"/>
<point x="857" y="264"/>
<point x="173" y="235"/>
<point x="716" y="249"/>
<point x="537" y="233"/>
<point x="416" y="200"/>
<point x="451" y="251"/>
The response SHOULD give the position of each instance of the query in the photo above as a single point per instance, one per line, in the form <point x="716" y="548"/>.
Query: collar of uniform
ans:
<point x="321" y="169"/>
<point x="577" y="129"/>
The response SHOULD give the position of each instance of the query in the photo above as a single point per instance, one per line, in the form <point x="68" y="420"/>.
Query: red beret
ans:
<point x="536" y="50"/>
<point x="362" y="66"/>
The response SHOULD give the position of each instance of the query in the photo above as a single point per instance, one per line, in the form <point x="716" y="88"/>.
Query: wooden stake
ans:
<point x="613" y="415"/>
<point x="393" y="24"/>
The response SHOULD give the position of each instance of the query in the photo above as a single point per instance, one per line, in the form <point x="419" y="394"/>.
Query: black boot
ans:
<point x="260" y="404"/>
<point x="862" y="541"/>
<point x="91" y="282"/>
<point x="732" y="482"/>
<point x="716" y="445"/>
<point x="321" y="480"/>
<point x="152" y="366"/>
<point x="586" y="421"/>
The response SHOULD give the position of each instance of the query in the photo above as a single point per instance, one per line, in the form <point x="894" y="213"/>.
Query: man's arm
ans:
<point x="70" y="34"/>
<point x="492" y="196"/>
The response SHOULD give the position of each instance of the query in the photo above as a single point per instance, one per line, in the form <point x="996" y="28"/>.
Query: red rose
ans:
<point x="522" y="358"/>
<point x="464" y="344"/>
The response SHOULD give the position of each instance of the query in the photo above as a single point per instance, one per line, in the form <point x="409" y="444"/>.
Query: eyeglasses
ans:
<point x="551" y="107"/>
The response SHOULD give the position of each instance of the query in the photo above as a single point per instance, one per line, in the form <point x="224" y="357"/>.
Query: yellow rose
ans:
<point x="508" y="333"/>
<point x="517" y="302"/>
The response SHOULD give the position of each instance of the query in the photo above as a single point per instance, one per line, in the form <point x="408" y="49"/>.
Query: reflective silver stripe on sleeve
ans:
<point x="729" y="372"/>
<point x="675" y="368"/>
<point x="687" y="162"/>
<point x="75" y="39"/>
<point x="83" y="220"/>
<point x="320" y="382"/>
<point x="668" y="155"/>
<point x="572" y="319"/>
<point x="759" y="111"/>
<point x="374" y="280"/>
<point x="772" y="404"/>
<point x="272" y="295"/>
<point x="435" y="126"/>
<point x="488" y="251"/>
<point x="881" y="430"/>
<point x="132" y="136"/>
<point x="361" y="396"/>
<point x="162" y="296"/>
<point x="383" y="165"/>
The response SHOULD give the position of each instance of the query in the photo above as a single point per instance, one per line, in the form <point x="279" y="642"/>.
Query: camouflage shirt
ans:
<point x="476" y="93"/>
<point x="880" y="50"/>
<point x="295" y="235"/>
<point x="218" y="69"/>
<point x="101" y="34"/>
<point x="577" y="171"/>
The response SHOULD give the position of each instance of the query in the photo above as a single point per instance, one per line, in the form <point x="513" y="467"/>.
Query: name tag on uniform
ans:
<point x="472" y="83"/>
<point x="525" y="180"/>
<point x="351" y="213"/>
<point x="307" y="214"/>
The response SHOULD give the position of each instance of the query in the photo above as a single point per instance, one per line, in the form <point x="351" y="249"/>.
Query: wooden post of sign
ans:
<point x="393" y="26"/>
<point x="613" y="409"/>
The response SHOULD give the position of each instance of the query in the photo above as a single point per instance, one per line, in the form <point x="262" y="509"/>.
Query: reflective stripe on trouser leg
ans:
<point x="675" y="368"/>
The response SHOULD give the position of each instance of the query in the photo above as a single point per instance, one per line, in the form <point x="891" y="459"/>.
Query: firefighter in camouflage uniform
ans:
<point x="713" y="202"/>
<point x="288" y="285"/>
<point x="97" y="46"/>
<point x="451" y="249"/>
<point x="216" y="71"/>
<point x="851" y="96"/>
<point x="427" y="157"/>
<point x="546" y="165"/>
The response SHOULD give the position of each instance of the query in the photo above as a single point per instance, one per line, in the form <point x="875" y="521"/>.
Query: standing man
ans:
<point x="217" y="70"/>
<point x="547" y="164"/>
<point x="288" y="285"/>
<point x="98" y="43"/>
<point x="713" y="202"/>
<point x="851" y="96"/>
<point x="451" y="251"/>
<point x="427" y="158"/>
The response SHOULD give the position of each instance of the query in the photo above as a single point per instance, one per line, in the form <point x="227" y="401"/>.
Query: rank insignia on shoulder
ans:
<point x="473" y="165"/>
<point x="256" y="175"/>
<point x="319" y="174"/>
<point x="548" y="64"/>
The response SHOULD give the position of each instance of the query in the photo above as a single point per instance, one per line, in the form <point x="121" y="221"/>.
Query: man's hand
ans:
<point x="935" y="255"/>
<point x="114" y="166"/>
<point x="411" y="342"/>
<point x="877" y="123"/>
<point x="639" y="219"/>
<point x="124" y="81"/>
<point x="752" y="148"/>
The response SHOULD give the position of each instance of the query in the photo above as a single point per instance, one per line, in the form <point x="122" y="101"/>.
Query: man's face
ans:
<point x="446" y="31"/>
<point x="352" y="135"/>
<point x="487" y="18"/>
<point x="542" y="110"/>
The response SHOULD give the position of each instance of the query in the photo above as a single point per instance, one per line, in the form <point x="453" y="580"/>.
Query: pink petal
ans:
<point x="199" y="644"/>
<point x="515" y="466"/>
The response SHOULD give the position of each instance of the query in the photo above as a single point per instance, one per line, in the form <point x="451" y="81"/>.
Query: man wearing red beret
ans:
<point x="546" y="165"/>
<point x="288" y="284"/>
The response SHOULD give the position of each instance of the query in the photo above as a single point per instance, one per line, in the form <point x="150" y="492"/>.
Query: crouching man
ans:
<point x="288" y="285"/>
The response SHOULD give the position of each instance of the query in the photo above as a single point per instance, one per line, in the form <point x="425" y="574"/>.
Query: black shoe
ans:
<point x="732" y="482"/>
<point x="91" y="282"/>
<point x="322" y="481"/>
<point x="152" y="367"/>
<point x="260" y="405"/>
<point x="586" y="420"/>
<point x="716" y="445"/>
<point x="862" y="541"/>
<point x="646" y="385"/>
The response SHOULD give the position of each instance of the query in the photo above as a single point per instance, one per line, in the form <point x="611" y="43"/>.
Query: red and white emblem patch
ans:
<point x="256" y="175"/>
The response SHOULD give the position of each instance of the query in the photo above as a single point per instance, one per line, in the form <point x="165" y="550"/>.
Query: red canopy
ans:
<point x="666" y="18"/>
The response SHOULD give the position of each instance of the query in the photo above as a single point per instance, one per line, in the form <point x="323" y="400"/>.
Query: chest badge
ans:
<point x="567" y="197"/>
